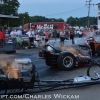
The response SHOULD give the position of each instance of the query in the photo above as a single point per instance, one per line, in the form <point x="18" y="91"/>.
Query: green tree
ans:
<point x="44" y="19"/>
<point x="23" y="18"/>
<point x="83" y="21"/>
<point x="71" y="21"/>
<point x="9" y="7"/>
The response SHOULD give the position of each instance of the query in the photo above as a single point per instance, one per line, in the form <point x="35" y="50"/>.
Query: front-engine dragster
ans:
<point x="66" y="57"/>
<point x="20" y="75"/>
<point x="17" y="76"/>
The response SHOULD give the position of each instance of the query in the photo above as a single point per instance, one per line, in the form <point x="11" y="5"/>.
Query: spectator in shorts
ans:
<point x="62" y="37"/>
<point x="47" y="35"/>
<point x="31" y="34"/>
<point x="80" y="34"/>
<point x="38" y="39"/>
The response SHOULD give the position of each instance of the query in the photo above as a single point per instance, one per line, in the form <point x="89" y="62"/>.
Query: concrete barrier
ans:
<point x="80" y="40"/>
<point x="55" y="43"/>
<point x="97" y="39"/>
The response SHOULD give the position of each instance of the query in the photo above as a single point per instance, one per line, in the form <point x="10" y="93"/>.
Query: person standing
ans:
<point x="66" y="35"/>
<point x="31" y="34"/>
<point x="72" y="36"/>
<point x="2" y="38"/>
<point x="55" y="34"/>
<point x="38" y="39"/>
<point x="2" y="35"/>
<point x="80" y="34"/>
<point x="62" y="37"/>
<point x="13" y="35"/>
<point x="47" y="35"/>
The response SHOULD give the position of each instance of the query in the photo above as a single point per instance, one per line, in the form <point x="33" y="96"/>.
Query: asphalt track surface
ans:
<point x="48" y="73"/>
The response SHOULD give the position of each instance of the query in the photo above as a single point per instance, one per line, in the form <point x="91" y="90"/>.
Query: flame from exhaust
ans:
<point x="13" y="73"/>
<point x="10" y="72"/>
<point x="70" y="49"/>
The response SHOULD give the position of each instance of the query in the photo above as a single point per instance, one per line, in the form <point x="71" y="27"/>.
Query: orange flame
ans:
<point x="10" y="72"/>
<point x="70" y="49"/>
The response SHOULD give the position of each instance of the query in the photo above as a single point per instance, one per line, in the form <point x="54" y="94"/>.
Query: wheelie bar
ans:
<point x="47" y="85"/>
<point x="18" y="87"/>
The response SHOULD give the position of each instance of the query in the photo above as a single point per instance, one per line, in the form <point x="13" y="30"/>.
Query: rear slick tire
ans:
<point x="66" y="61"/>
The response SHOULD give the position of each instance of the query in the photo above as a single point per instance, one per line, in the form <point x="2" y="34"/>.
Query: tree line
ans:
<point x="10" y="7"/>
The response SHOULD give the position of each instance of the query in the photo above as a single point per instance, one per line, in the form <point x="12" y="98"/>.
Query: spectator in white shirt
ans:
<point x="80" y="34"/>
<point x="62" y="37"/>
<point x="31" y="34"/>
<point x="19" y="32"/>
<point x="38" y="39"/>
<point x="13" y="35"/>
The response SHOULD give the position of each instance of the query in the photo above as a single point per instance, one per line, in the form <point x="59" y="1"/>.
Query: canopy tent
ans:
<point x="8" y="17"/>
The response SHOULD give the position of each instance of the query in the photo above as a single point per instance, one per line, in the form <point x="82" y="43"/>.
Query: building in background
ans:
<point x="46" y="25"/>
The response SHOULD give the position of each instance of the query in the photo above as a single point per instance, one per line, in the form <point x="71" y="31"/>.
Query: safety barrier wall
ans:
<point x="80" y="40"/>
<point x="97" y="39"/>
<point x="56" y="43"/>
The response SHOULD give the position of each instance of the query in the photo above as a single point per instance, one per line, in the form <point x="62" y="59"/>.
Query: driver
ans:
<point x="91" y="40"/>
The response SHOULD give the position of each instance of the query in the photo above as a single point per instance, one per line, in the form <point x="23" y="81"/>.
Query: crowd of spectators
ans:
<point x="38" y="35"/>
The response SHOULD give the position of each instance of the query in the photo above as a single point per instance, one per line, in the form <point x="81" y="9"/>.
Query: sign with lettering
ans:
<point x="12" y="91"/>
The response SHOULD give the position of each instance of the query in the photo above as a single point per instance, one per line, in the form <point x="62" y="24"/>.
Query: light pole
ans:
<point x="76" y="22"/>
<point x="89" y="4"/>
<point x="98" y="18"/>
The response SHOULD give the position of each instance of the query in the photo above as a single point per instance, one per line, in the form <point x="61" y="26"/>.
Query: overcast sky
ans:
<point x="58" y="8"/>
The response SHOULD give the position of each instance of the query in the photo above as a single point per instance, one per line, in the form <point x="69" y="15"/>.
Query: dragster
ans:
<point x="18" y="76"/>
<point x="68" y="57"/>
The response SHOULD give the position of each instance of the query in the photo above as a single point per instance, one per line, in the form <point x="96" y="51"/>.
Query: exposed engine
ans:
<point x="20" y="68"/>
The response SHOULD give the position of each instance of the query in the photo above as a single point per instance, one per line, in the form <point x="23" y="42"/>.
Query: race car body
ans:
<point x="67" y="58"/>
<point x="17" y="76"/>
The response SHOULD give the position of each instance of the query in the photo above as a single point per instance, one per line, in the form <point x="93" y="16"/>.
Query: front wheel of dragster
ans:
<point x="94" y="71"/>
<point x="66" y="61"/>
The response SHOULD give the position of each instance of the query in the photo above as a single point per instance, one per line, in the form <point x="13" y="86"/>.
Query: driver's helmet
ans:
<point x="91" y="39"/>
<point x="49" y="48"/>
